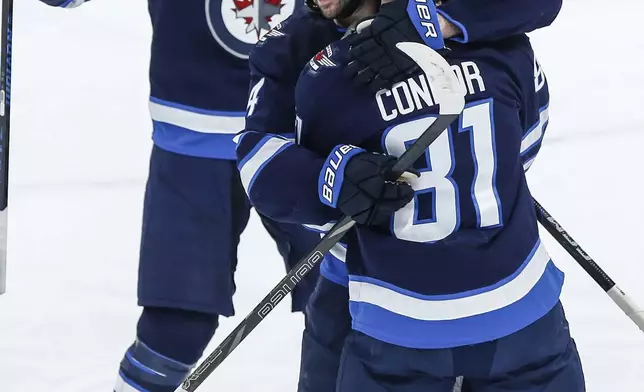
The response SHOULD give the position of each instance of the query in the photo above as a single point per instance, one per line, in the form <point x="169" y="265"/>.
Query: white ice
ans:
<point x="79" y="147"/>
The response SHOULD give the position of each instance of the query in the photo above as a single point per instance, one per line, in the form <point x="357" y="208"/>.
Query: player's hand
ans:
<point x="374" y="59"/>
<point x="356" y="184"/>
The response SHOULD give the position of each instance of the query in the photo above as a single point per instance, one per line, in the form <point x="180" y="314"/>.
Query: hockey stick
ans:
<point x="586" y="262"/>
<point x="447" y="94"/>
<point x="5" y="95"/>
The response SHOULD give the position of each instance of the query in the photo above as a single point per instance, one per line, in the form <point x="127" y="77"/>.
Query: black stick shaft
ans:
<point x="586" y="262"/>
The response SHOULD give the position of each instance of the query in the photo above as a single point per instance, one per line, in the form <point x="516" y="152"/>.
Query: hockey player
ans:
<point x="275" y="62"/>
<point x="419" y="319"/>
<point x="195" y="207"/>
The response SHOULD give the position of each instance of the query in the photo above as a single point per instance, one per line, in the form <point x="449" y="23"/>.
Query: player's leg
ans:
<point x="194" y="211"/>
<point x="539" y="358"/>
<point x="294" y="242"/>
<point x="177" y="337"/>
<point x="327" y="325"/>
<point x="369" y="364"/>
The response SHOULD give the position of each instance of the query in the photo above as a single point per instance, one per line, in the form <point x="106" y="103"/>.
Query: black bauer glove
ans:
<point x="374" y="59"/>
<point x="355" y="182"/>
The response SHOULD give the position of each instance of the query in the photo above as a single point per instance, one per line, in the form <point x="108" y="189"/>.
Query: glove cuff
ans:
<point x="332" y="173"/>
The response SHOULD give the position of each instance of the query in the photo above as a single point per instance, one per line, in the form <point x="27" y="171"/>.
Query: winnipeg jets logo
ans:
<point x="257" y="13"/>
<point x="238" y="24"/>
<point x="322" y="59"/>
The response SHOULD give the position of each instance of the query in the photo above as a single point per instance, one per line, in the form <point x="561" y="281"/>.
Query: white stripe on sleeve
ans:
<point x="252" y="167"/>
<point x="535" y="134"/>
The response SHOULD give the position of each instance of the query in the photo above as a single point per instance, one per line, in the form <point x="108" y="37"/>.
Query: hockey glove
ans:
<point x="374" y="59"/>
<point x="355" y="182"/>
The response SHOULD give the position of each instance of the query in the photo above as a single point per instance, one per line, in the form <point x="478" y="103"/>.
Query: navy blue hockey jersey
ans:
<point x="460" y="264"/>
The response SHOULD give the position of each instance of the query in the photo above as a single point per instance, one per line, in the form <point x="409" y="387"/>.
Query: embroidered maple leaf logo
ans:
<point x="257" y="13"/>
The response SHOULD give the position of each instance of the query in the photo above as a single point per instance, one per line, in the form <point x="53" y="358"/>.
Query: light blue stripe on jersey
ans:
<point x="196" y="144"/>
<point x="187" y="108"/>
<point x="191" y="131"/>
<point x="335" y="270"/>
<point x="253" y="163"/>
<point x="404" y="318"/>
<point x="458" y="24"/>
<point x="333" y="266"/>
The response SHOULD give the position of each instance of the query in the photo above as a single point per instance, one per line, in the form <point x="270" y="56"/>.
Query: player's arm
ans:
<point x="64" y="3"/>
<point x="535" y="120"/>
<point x="280" y="178"/>
<point x="289" y="183"/>
<point x="376" y="62"/>
<point x="278" y="175"/>
<point x="271" y="101"/>
<point x="492" y="20"/>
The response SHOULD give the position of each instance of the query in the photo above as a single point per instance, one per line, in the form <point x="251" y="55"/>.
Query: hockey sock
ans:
<point x="178" y="334"/>
<point x="169" y="342"/>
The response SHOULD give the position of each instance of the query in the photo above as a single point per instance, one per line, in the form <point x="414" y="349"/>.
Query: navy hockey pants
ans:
<point x="539" y="358"/>
<point x="195" y="210"/>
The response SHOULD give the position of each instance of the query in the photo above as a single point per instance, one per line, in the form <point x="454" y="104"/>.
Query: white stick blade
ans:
<point x="443" y="82"/>
<point x="628" y="305"/>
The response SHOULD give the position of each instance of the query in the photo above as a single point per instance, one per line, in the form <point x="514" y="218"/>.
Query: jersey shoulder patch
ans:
<point x="330" y="57"/>
<point x="323" y="58"/>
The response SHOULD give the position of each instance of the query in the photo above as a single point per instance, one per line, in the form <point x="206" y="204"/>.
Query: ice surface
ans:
<point x="80" y="144"/>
